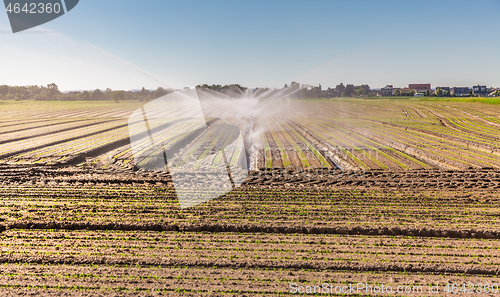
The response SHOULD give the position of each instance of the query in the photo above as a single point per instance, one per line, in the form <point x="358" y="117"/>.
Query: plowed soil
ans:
<point x="83" y="232"/>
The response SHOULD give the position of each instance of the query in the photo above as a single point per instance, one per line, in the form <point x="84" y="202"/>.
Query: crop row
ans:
<point x="174" y="238"/>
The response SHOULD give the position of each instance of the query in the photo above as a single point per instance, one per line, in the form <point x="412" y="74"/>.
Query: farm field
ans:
<point x="399" y="192"/>
<point x="349" y="134"/>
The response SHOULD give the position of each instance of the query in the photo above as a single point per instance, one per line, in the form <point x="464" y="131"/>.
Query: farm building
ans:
<point x="479" y="90"/>
<point x="460" y="91"/>
<point x="420" y="88"/>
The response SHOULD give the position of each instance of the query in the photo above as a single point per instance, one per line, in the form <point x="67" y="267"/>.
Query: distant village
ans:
<point x="426" y="90"/>
<point x="294" y="90"/>
<point x="421" y="90"/>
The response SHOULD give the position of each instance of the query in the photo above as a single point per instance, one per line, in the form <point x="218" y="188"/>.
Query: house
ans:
<point x="460" y="91"/>
<point x="420" y="88"/>
<point x="388" y="90"/>
<point x="494" y="93"/>
<point x="479" y="90"/>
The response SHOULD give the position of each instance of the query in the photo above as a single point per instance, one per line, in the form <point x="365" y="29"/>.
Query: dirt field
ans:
<point x="404" y="195"/>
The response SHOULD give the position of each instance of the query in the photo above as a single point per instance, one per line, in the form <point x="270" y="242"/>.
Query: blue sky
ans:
<point x="127" y="44"/>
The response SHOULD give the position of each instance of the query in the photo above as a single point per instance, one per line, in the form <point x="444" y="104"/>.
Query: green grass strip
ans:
<point x="302" y="156"/>
<point x="395" y="161"/>
<point x="318" y="155"/>
<point x="267" y="152"/>
<point x="281" y="147"/>
<point x="349" y="154"/>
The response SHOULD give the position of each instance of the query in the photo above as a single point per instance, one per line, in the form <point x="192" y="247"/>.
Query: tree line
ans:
<point x="51" y="93"/>
<point x="350" y="90"/>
